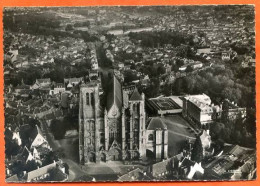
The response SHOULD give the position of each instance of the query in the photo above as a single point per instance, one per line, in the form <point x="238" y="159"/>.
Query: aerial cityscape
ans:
<point x="129" y="93"/>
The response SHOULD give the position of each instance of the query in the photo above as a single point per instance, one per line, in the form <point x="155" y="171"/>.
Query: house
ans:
<point x="235" y="162"/>
<point x="11" y="55"/>
<point x="59" y="88"/>
<point x="183" y="68"/>
<point x="41" y="84"/>
<point x="16" y="136"/>
<point x="93" y="74"/>
<point x="160" y="169"/>
<point x="188" y="169"/>
<point x="12" y="179"/>
<point x="37" y="138"/>
<point x="43" y="172"/>
<point x="197" y="65"/>
<point x="134" y="175"/>
<point x="230" y="111"/>
<point x="225" y="56"/>
<point x="71" y="82"/>
<point x="26" y="155"/>
<point x="205" y="50"/>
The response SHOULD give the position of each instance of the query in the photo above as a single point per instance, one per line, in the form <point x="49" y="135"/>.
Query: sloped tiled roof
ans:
<point x="114" y="94"/>
<point x="35" y="132"/>
<point x="47" y="80"/>
<point x="135" y="96"/>
<point x="41" y="171"/>
<point x="12" y="179"/>
<point x="156" y="123"/>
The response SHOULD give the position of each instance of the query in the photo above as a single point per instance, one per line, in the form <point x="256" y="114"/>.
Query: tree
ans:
<point x="55" y="174"/>
<point x="49" y="158"/>
<point x="161" y="70"/>
<point x="31" y="165"/>
<point x="69" y="27"/>
<point x="189" y="68"/>
<point x="129" y="76"/>
<point x="197" y="151"/>
<point x="57" y="129"/>
<point x="11" y="147"/>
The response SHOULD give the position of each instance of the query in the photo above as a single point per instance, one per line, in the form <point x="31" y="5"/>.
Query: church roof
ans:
<point x="156" y="123"/>
<point x="114" y="94"/>
<point x="135" y="96"/>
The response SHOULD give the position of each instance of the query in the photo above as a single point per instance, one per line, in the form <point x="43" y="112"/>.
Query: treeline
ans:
<point x="153" y="39"/>
<point x="43" y="24"/>
<point x="219" y="83"/>
<point x="236" y="132"/>
<point x="59" y="127"/>
<point x="58" y="71"/>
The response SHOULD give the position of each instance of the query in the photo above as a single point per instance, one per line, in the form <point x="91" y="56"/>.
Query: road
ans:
<point x="74" y="168"/>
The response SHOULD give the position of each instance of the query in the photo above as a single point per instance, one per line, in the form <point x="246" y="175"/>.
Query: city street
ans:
<point x="74" y="168"/>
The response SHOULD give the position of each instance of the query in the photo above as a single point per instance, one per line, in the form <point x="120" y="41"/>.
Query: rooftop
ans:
<point x="156" y="123"/>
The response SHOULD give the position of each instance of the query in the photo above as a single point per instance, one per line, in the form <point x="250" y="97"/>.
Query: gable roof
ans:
<point x="35" y="132"/>
<point x="11" y="179"/>
<point x="134" y="175"/>
<point x="114" y="96"/>
<point x="156" y="123"/>
<point x="41" y="171"/>
<point x="46" y="80"/>
<point x="135" y="96"/>
<point x="25" y="154"/>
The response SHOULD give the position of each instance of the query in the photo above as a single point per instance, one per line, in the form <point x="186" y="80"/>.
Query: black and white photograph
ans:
<point x="129" y="93"/>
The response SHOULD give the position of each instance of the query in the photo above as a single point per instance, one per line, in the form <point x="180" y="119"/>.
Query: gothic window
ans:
<point x="87" y="98"/>
<point x="92" y="126"/>
<point x="101" y="125"/>
<point x="150" y="137"/>
<point x="136" y="124"/>
<point x="92" y="99"/>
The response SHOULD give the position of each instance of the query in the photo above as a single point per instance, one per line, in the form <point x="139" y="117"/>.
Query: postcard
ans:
<point x="129" y="93"/>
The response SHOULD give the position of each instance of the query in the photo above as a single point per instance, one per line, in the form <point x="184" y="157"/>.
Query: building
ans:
<point x="157" y="143"/>
<point x="71" y="82"/>
<point x="233" y="163"/>
<point x="112" y="125"/>
<point x="231" y="112"/>
<point x="134" y="175"/>
<point x="206" y="50"/>
<point x="37" y="138"/>
<point x="43" y="173"/>
<point x="59" y="88"/>
<point x="225" y="56"/>
<point x="164" y="105"/>
<point x="42" y="84"/>
<point x="199" y="109"/>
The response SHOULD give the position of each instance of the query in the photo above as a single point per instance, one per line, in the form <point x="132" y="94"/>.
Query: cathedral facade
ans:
<point x="112" y="124"/>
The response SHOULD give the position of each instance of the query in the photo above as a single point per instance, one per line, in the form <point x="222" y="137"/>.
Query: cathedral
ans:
<point x="113" y="126"/>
